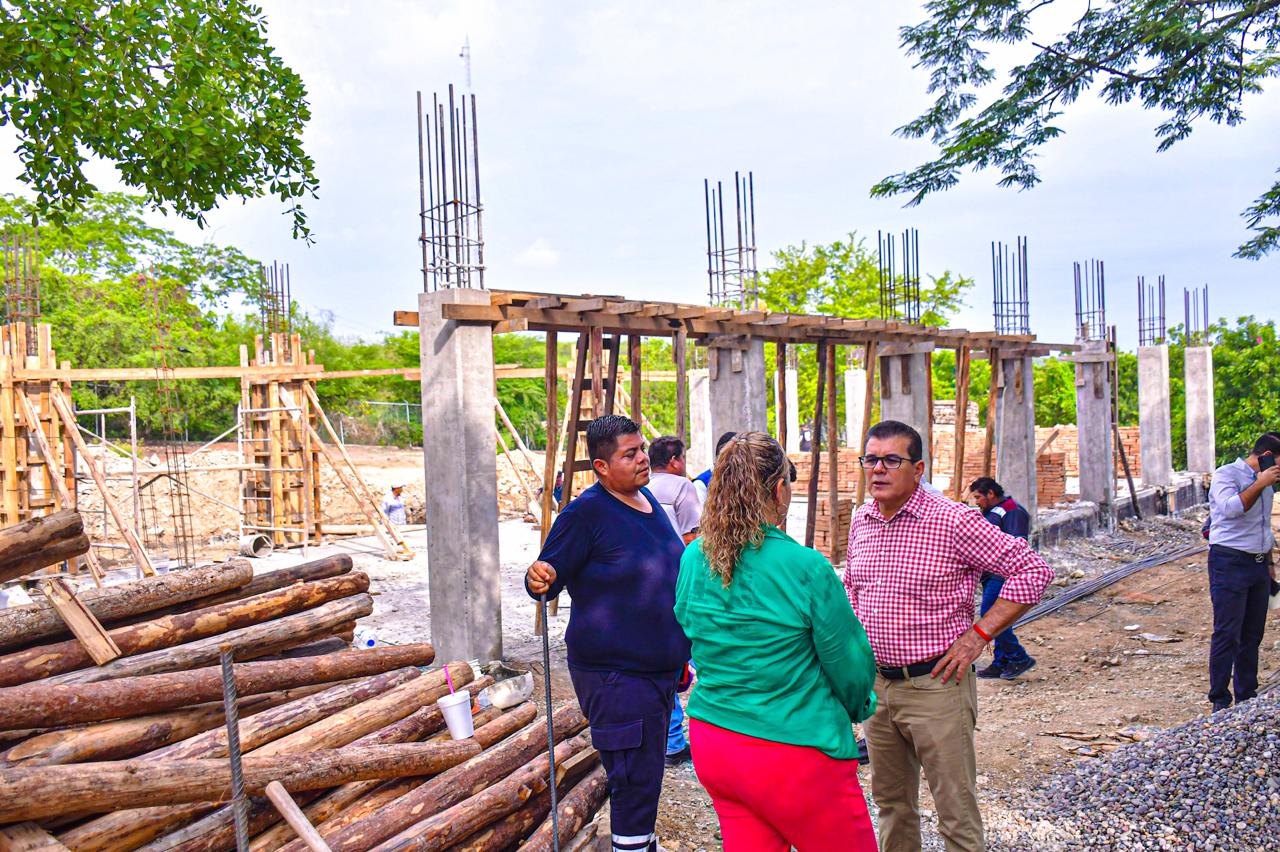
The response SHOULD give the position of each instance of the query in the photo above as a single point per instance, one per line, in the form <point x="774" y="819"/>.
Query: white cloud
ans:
<point x="539" y="255"/>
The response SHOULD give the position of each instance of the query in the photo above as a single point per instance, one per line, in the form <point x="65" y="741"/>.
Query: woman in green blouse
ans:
<point x="784" y="667"/>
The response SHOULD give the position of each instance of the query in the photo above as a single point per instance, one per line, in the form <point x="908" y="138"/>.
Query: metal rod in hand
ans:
<point x="551" y="734"/>
<point x="238" y="801"/>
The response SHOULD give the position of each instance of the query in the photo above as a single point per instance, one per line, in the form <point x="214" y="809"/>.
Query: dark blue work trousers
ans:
<point x="1239" y="586"/>
<point x="629" y="714"/>
<point x="1008" y="651"/>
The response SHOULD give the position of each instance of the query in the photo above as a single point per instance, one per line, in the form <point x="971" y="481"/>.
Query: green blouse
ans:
<point x="779" y="653"/>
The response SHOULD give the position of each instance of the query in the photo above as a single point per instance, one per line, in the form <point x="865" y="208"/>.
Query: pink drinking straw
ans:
<point x="448" y="677"/>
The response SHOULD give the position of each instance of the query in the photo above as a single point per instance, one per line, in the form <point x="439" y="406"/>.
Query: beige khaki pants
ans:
<point x="922" y="722"/>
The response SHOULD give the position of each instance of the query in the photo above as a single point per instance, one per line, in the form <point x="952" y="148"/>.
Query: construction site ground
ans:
<point x="1096" y="676"/>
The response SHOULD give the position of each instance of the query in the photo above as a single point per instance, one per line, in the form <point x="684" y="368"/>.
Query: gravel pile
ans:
<point x="1212" y="783"/>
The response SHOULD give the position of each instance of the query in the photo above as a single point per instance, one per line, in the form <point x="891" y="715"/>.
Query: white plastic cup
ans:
<point x="456" y="708"/>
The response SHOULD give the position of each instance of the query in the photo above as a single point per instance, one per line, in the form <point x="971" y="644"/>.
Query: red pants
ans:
<point x="772" y="796"/>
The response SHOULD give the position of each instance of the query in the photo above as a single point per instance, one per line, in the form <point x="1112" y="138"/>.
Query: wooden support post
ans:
<point x="575" y="414"/>
<point x="611" y="383"/>
<point x="293" y="815"/>
<point x="780" y="394"/>
<point x="928" y="385"/>
<point x="9" y="443"/>
<point x="42" y="444"/>
<point x="678" y="347"/>
<point x="811" y="520"/>
<point x="962" y="408"/>
<point x="833" y="457"/>
<point x="88" y="631"/>
<point x="871" y="359"/>
<point x="597" y="374"/>
<point x="993" y="396"/>
<point x="127" y="532"/>
<point x="633" y="359"/>
<point x="550" y="381"/>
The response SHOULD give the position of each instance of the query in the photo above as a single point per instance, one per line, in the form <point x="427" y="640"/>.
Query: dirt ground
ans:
<point x="1099" y="669"/>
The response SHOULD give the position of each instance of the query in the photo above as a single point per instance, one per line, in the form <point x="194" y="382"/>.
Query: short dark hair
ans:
<point x="986" y="485"/>
<point x="897" y="429"/>
<point x="1269" y="442"/>
<point x="604" y="432"/>
<point x="724" y="439"/>
<point x="664" y="450"/>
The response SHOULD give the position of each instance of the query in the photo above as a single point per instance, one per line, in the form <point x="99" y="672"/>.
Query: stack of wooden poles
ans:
<point x="133" y="753"/>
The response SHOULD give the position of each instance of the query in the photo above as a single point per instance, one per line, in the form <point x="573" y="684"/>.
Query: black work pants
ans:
<point x="1239" y="586"/>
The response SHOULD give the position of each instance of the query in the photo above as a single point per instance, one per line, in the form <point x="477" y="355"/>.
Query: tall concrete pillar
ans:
<point x="1016" y="432"/>
<point x="904" y="394"/>
<point x="1093" y="422"/>
<point x="793" y="408"/>
<point x="739" y="387"/>
<point x="855" y="403"/>
<point x="1202" y="449"/>
<point x="1153" y="415"/>
<point x="464" y="579"/>
<point x="701" y="443"/>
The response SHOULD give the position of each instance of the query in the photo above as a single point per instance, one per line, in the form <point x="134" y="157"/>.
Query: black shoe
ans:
<point x="864" y="755"/>
<point x="679" y="758"/>
<point x="1013" y="671"/>
<point x="991" y="671"/>
<point x="1219" y="706"/>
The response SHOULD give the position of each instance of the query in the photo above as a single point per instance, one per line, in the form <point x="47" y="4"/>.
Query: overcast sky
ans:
<point x="599" y="120"/>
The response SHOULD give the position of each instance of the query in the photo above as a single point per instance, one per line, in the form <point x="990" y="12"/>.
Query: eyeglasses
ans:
<point x="889" y="462"/>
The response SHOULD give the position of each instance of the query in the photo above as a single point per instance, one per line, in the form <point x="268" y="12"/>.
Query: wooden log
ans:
<point x="28" y="538"/>
<point x="575" y="811"/>
<point x="24" y="791"/>
<point x="58" y="551"/>
<point x="491" y="804"/>
<point x="337" y="643"/>
<point x="170" y="630"/>
<point x="21" y="625"/>
<point x="417" y="726"/>
<point x="254" y="640"/>
<point x="217" y="829"/>
<point x="32" y="705"/>
<point x="273" y="723"/>
<point x="28" y="837"/>
<point x="269" y="581"/>
<point x="487" y="734"/>
<point x="126" y="738"/>
<point x="513" y="828"/>
<point x="131" y="828"/>
<point x="454" y="786"/>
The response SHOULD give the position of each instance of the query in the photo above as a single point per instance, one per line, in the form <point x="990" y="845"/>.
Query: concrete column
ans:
<point x="855" y="399"/>
<point x="739" y="389"/>
<point x="464" y="579"/>
<point x="1202" y="450"/>
<point x="701" y="442"/>
<point x="1153" y="415"/>
<point x="1016" y="433"/>
<point x="1093" y="422"/>
<point x="904" y="395"/>
<point x="793" y="408"/>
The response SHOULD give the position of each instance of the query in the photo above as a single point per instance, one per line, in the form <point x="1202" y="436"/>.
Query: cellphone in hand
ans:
<point x="1266" y="461"/>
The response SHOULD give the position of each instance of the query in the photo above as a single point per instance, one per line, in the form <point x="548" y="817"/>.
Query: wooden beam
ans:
<point x="993" y="396"/>
<point x="833" y="457"/>
<point x="870" y="359"/>
<point x="149" y="374"/>
<point x="580" y="305"/>
<point x="88" y="631"/>
<point x="811" y="520"/>
<point x="633" y="360"/>
<point x="780" y="398"/>
<point x="551" y="375"/>
<point x="472" y="313"/>
<point x="962" y="408"/>
<point x="678" y="353"/>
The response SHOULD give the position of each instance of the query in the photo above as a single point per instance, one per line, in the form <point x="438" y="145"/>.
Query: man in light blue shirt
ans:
<point x="1241" y="568"/>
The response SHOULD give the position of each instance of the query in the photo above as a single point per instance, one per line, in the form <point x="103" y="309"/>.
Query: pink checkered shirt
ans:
<point x="912" y="579"/>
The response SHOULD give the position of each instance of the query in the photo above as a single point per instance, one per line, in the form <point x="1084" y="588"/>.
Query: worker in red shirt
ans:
<point x="913" y="567"/>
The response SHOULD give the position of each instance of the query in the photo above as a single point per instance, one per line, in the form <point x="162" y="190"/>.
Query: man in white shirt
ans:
<point x="671" y="487"/>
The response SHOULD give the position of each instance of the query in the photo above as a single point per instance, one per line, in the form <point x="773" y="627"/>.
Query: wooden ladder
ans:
<point x="600" y="392"/>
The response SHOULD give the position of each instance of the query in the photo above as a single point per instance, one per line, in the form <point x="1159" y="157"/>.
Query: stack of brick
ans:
<point x="847" y="471"/>
<point x="944" y="412"/>
<point x="1051" y="479"/>
<point x="822" y="538"/>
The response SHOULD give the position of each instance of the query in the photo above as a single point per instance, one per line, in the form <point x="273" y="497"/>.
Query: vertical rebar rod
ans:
<point x="238" y="801"/>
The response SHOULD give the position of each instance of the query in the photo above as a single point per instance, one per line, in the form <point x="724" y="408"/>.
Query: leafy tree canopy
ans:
<point x="185" y="97"/>
<point x="1191" y="60"/>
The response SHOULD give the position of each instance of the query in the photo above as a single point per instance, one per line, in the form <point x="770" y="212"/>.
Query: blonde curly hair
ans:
<point x="740" y="499"/>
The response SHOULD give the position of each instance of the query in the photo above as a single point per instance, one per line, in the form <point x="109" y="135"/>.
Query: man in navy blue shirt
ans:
<point x="1011" y="659"/>
<point x="616" y="553"/>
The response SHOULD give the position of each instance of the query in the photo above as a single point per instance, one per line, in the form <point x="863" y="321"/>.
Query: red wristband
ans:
<point x="982" y="633"/>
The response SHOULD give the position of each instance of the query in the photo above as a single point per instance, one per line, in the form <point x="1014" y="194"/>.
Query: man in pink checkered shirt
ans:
<point x="914" y="564"/>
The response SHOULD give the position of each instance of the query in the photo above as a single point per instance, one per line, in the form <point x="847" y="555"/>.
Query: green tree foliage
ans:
<point x="843" y="279"/>
<point x="186" y="97"/>
<point x="1190" y="60"/>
